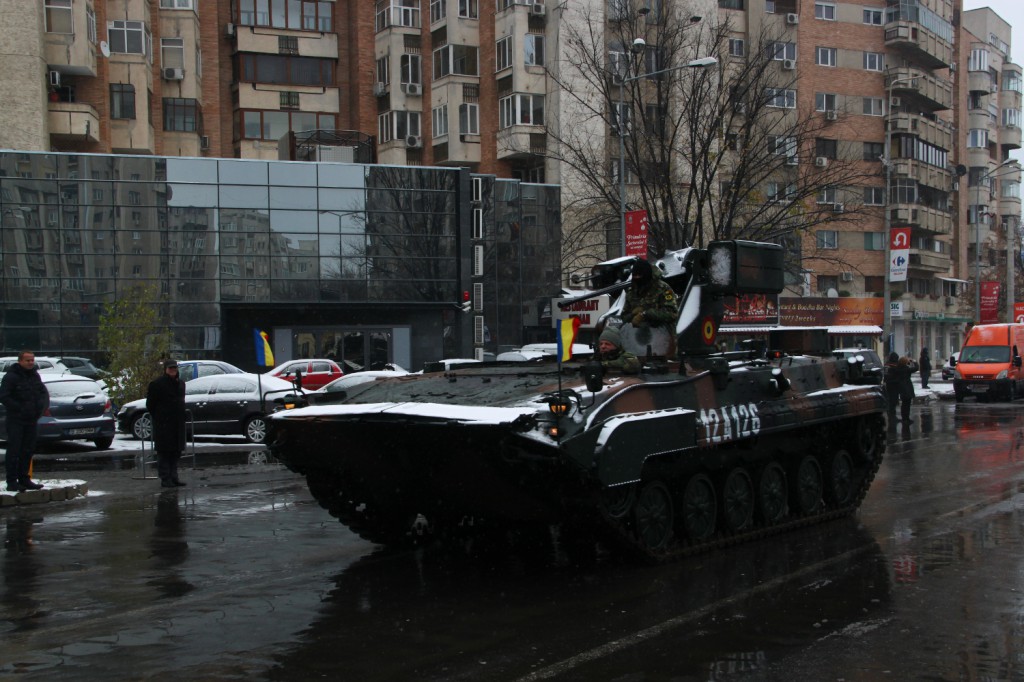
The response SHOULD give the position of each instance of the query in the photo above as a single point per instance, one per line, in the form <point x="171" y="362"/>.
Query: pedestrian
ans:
<point x="165" y="402"/>
<point x="650" y="301"/>
<point x="898" y="388"/>
<point x="613" y="357"/>
<point x="25" y="398"/>
<point x="924" y="365"/>
<point x="906" y="387"/>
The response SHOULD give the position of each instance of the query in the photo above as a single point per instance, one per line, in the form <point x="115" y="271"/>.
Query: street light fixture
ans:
<point x="989" y="175"/>
<point x="638" y="45"/>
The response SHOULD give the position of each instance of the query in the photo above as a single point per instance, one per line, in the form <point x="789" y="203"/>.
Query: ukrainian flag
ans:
<point x="567" y="329"/>
<point x="264" y="354"/>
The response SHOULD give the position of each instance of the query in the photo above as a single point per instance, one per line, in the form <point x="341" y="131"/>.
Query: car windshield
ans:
<point x="71" y="389"/>
<point x="984" y="354"/>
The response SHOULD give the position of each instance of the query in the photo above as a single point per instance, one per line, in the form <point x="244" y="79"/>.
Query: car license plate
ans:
<point x="81" y="432"/>
<point x="979" y="388"/>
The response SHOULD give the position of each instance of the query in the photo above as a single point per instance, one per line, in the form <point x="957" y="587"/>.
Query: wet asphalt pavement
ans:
<point x="241" y="575"/>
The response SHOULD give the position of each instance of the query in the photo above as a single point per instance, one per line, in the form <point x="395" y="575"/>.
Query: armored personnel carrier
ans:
<point x="699" y="449"/>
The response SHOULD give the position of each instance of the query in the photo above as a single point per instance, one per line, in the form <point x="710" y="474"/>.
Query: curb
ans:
<point x="55" y="491"/>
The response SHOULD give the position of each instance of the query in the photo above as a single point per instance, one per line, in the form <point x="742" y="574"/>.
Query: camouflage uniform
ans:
<point x="620" y="361"/>
<point x="655" y="305"/>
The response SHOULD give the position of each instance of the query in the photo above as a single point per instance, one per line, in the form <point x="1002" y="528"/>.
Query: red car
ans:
<point x="315" y="373"/>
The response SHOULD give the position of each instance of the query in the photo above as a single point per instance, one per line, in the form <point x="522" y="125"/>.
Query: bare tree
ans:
<point x="736" y="151"/>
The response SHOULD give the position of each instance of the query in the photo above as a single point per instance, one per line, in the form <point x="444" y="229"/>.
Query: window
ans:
<point x="874" y="196"/>
<point x="825" y="10"/>
<point x="503" y="54"/>
<point x="533" y="49"/>
<point x="826" y="195"/>
<point x="272" y="125"/>
<point x="439" y="120"/>
<point x="977" y="137"/>
<point x="622" y="118"/>
<point x="469" y="9"/>
<point x="176" y="4"/>
<point x="460" y="60"/>
<point x="978" y="61"/>
<point x="282" y="69"/>
<point x="874" y="61"/>
<point x="781" y="98"/>
<point x="172" y="53"/>
<point x="737" y="47"/>
<point x="873" y="106"/>
<point x="287" y="44"/>
<point x="779" y="50"/>
<point x="780" y="192"/>
<point x="824" y="101"/>
<point x="520" y="109"/>
<point x="782" y="146"/>
<point x="403" y="13"/>
<point x="438" y="10"/>
<point x="397" y="125"/>
<point x="656" y="120"/>
<point x="57" y="15"/>
<point x="1011" y="118"/>
<point x="384" y="70"/>
<point x="904" y="191"/>
<point x="825" y="56"/>
<point x="825" y="147"/>
<point x="122" y="101"/>
<point x="90" y="24"/>
<point x="289" y="99"/>
<point x="181" y="114"/>
<point x="297" y="15"/>
<point x="469" y="119"/>
<point x="130" y="37"/>
<point x="873" y="16"/>
<point x="874" y="151"/>
<point x="827" y="239"/>
<point x="874" y="241"/>
<point x="410" y="70"/>
<point x="1010" y="189"/>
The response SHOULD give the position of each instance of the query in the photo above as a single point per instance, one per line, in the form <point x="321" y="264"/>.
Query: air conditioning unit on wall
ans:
<point x="792" y="19"/>
<point x="174" y="74"/>
<point x="846" y="276"/>
<point x="413" y="141"/>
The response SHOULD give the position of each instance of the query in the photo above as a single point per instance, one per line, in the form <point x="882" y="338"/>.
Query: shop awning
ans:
<point x="954" y="279"/>
<point x="837" y="329"/>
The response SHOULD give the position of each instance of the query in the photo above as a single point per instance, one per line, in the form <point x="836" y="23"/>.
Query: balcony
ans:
<point x="920" y="43"/>
<point x="981" y="81"/>
<point x="265" y="40"/>
<point x="926" y="174"/>
<point x="1009" y="137"/>
<point x="929" y="260"/>
<point x="936" y="93"/>
<point x="933" y="131"/>
<point x="73" y="121"/>
<point x="922" y="217"/>
<point x="521" y="142"/>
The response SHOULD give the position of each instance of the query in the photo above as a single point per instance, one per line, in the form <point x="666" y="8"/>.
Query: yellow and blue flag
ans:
<point x="567" y="329"/>
<point x="264" y="354"/>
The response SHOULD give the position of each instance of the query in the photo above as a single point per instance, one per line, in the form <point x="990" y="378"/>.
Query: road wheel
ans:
<point x="103" y="443"/>
<point x="652" y="514"/>
<point x="737" y="500"/>
<point x="699" y="508"/>
<point x="142" y="427"/>
<point x="772" y="493"/>
<point x="840" y="479"/>
<point x="618" y="500"/>
<point x="806" y="485"/>
<point x="865" y="442"/>
<point x="255" y="429"/>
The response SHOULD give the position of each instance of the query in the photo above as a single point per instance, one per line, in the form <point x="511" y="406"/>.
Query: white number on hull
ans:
<point x="728" y="423"/>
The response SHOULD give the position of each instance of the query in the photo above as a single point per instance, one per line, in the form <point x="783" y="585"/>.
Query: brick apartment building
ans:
<point x="465" y="83"/>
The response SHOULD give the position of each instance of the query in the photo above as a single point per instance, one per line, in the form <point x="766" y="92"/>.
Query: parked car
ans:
<point x="874" y="369"/>
<point x="340" y="389"/>
<point x="949" y="367"/>
<point x="44" y="363"/>
<point x="316" y="373"/>
<point x="194" y="369"/>
<point x="79" y="410"/>
<point x="223" y="404"/>
<point x="83" y="367"/>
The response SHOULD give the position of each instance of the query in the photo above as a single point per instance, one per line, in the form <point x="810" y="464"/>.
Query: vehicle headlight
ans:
<point x="956" y="374"/>
<point x="1002" y="375"/>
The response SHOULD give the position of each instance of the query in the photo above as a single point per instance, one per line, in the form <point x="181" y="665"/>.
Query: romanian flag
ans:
<point x="264" y="355"/>
<point x="567" y="329"/>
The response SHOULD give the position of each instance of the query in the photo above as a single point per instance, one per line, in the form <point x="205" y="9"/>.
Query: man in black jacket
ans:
<point x="25" y="398"/>
<point x="165" y="402"/>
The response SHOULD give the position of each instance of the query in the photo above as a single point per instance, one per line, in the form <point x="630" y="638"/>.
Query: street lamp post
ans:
<point x="989" y="175"/>
<point x="621" y="125"/>
<point x="887" y="332"/>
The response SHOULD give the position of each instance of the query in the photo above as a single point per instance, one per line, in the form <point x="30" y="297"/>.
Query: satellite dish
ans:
<point x="832" y="293"/>
<point x="104" y="48"/>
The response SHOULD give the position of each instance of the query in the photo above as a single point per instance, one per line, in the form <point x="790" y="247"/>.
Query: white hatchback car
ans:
<point x="44" y="363"/>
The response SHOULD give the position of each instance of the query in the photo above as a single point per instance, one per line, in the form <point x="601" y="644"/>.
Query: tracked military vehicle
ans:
<point x="700" y="449"/>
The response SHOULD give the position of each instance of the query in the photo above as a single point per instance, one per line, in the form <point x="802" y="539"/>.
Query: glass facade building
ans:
<point x="364" y="263"/>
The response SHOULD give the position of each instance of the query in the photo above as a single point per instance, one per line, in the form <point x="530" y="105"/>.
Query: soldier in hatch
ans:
<point x="613" y="358"/>
<point x="650" y="301"/>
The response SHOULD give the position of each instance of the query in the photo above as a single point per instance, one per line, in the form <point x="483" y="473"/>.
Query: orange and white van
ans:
<point x="989" y="365"/>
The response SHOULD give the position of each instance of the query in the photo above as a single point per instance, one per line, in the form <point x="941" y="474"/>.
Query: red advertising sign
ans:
<point x="752" y="309"/>
<point x="990" y="302"/>
<point x="827" y="312"/>
<point x="1018" y="313"/>
<point x="636" y="233"/>
<point x="899" y="253"/>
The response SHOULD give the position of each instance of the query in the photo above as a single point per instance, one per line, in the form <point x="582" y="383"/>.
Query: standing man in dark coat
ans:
<point x="25" y="398"/>
<point x="924" y="364"/>
<point x="165" y="401"/>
